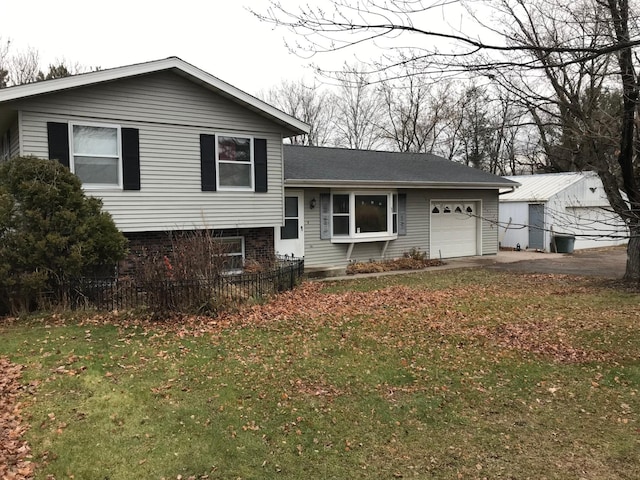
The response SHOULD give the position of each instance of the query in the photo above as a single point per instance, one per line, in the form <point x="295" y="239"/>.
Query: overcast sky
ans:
<point x="220" y="37"/>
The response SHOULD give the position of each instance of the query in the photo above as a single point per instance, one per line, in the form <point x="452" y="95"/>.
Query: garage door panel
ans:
<point x="453" y="234"/>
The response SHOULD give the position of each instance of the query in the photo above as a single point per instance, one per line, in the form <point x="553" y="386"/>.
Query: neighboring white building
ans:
<point x="559" y="203"/>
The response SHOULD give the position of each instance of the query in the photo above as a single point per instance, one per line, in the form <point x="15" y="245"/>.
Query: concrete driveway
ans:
<point x="607" y="262"/>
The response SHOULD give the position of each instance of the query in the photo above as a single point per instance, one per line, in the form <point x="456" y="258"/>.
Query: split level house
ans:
<point x="169" y="147"/>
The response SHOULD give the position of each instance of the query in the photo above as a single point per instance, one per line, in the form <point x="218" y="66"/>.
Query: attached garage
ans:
<point x="362" y="206"/>
<point x="454" y="229"/>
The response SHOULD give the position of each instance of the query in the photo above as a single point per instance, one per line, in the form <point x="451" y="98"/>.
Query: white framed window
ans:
<point x="233" y="248"/>
<point x="394" y="213"/>
<point x="234" y="162"/>
<point x="95" y="154"/>
<point x="364" y="215"/>
<point x="341" y="218"/>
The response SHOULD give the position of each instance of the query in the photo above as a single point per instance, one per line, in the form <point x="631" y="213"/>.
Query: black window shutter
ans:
<point x="208" y="162"/>
<point x="402" y="214"/>
<point x="130" y="159"/>
<point x="58" y="139"/>
<point x="260" y="164"/>
<point x="325" y="216"/>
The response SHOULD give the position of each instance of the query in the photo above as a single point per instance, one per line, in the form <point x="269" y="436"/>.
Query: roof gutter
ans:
<point x="301" y="183"/>
<point x="511" y="190"/>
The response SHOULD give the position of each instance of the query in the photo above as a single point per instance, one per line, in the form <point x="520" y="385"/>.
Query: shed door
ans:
<point x="454" y="229"/>
<point x="536" y="226"/>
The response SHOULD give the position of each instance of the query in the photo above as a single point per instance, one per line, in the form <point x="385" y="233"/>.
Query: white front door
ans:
<point x="290" y="237"/>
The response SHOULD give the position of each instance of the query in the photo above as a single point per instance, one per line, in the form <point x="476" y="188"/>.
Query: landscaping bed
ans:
<point x="403" y="263"/>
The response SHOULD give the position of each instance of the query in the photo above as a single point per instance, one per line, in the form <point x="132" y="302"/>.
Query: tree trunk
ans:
<point x="632" y="272"/>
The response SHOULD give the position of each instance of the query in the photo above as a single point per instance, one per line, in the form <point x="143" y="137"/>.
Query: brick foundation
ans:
<point x="259" y="244"/>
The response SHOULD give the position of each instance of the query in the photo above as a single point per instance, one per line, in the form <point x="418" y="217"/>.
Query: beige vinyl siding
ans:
<point x="163" y="97"/>
<point x="323" y="253"/>
<point x="319" y="252"/>
<point x="490" y="205"/>
<point x="14" y="141"/>
<point x="170" y="114"/>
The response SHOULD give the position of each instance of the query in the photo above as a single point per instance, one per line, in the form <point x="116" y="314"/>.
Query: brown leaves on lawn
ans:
<point x="14" y="451"/>
<point x="409" y="311"/>
<point x="309" y="302"/>
<point x="533" y="337"/>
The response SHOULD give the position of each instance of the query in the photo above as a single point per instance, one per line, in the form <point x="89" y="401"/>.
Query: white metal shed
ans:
<point x="558" y="203"/>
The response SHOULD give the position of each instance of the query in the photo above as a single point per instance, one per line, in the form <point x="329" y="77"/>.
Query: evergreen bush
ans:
<point x="50" y="232"/>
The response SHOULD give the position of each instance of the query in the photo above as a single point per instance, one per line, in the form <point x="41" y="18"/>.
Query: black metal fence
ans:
<point x="207" y="295"/>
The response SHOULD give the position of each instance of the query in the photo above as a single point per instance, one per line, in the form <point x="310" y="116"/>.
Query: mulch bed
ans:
<point x="14" y="450"/>
<point x="392" y="265"/>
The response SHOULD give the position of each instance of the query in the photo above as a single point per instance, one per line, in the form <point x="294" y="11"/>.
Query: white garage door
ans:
<point x="454" y="230"/>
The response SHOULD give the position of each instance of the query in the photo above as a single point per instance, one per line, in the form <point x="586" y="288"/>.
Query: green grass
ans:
<point x="489" y="375"/>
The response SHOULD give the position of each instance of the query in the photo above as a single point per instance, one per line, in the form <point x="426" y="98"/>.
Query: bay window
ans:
<point x="371" y="213"/>
<point x="364" y="215"/>
<point x="394" y="215"/>
<point x="341" y="207"/>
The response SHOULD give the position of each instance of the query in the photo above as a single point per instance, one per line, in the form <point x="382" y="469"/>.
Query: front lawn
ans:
<point x="453" y="374"/>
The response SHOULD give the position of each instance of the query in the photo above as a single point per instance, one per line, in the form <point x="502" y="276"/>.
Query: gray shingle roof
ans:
<point x="340" y="166"/>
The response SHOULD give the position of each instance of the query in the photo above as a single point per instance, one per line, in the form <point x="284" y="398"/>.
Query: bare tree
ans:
<point x="24" y="66"/>
<point x="491" y="130"/>
<point x="311" y="104"/>
<point x="416" y="113"/>
<point x="586" y="111"/>
<point x="568" y="49"/>
<point x="358" y="110"/>
<point x="4" y="69"/>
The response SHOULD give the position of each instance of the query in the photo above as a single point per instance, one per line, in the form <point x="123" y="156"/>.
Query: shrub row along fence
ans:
<point x="201" y="295"/>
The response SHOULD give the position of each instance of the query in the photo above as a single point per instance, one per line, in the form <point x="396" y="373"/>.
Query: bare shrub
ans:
<point x="186" y="274"/>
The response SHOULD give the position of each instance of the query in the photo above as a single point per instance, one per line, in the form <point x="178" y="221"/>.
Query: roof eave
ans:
<point x="523" y="200"/>
<point x="172" y="63"/>
<point x="322" y="183"/>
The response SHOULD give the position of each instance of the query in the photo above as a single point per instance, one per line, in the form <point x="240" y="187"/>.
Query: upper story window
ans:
<point x="95" y="155"/>
<point x="234" y="158"/>
<point x="364" y="215"/>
